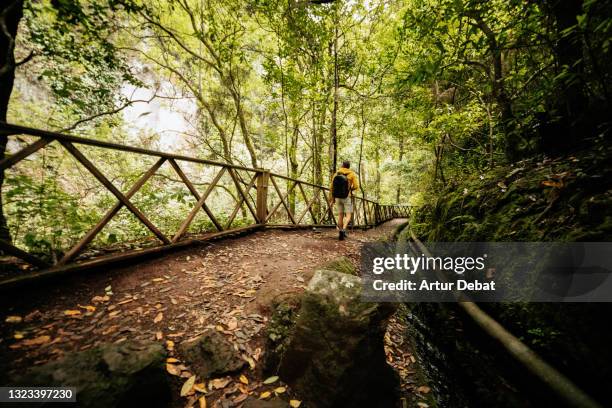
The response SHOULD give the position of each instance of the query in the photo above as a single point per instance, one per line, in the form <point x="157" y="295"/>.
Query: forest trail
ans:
<point x="226" y="285"/>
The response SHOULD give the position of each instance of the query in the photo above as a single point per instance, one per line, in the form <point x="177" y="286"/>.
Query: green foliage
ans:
<point x="430" y="95"/>
<point x="73" y="41"/>
<point x="42" y="215"/>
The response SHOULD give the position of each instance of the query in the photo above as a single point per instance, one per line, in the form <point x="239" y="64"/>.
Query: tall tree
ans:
<point x="11" y="13"/>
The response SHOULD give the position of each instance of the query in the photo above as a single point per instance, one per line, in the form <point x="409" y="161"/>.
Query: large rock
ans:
<point x="211" y="355"/>
<point x="335" y="355"/>
<point x="113" y="375"/>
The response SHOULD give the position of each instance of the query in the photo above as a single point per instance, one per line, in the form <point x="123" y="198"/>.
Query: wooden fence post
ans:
<point x="262" y="196"/>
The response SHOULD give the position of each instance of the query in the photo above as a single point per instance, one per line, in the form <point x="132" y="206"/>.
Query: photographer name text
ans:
<point x="424" y="285"/>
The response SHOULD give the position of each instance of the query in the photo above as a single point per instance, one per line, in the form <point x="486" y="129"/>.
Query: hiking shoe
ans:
<point x="341" y="235"/>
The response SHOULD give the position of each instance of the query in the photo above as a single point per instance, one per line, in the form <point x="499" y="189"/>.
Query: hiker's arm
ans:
<point x="355" y="183"/>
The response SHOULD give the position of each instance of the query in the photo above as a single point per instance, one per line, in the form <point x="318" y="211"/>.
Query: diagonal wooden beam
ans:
<point x="317" y="220"/>
<point x="329" y="209"/>
<point x="364" y="208"/>
<point x="23" y="153"/>
<point x="231" y="219"/>
<point x="91" y="234"/>
<point x="282" y="200"/>
<point x="240" y="179"/>
<point x="242" y="193"/>
<point x="109" y="186"/>
<point x="308" y="205"/>
<point x="195" y="193"/>
<point x="277" y="205"/>
<point x="307" y="202"/>
<point x="199" y="204"/>
<point x="19" y="253"/>
<point x="356" y="217"/>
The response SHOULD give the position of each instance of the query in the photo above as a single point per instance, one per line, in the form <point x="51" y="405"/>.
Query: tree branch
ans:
<point x="106" y="113"/>
<point x="26" y="59"/>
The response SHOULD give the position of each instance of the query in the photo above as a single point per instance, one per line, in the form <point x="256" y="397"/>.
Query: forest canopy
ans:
<point x="416" y="94"/>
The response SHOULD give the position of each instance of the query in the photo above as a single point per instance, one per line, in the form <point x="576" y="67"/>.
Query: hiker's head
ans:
<point x="346" y="164"/>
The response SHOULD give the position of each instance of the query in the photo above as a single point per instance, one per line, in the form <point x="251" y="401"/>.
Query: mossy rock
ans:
<point x="114" y="375"/>
<point x="335" y="356"/>
<point x="282" y="322"/>
<point x="343" y="265"/>
<point x="211" y="355"/>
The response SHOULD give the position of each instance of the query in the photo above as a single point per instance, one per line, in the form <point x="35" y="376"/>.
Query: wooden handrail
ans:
<point x="367" y="212"/>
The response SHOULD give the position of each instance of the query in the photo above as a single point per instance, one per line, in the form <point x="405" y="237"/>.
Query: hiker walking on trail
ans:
<point x="343" y="183"/>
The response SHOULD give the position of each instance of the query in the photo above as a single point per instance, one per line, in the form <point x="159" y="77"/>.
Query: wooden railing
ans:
<point x="268" y="199"/>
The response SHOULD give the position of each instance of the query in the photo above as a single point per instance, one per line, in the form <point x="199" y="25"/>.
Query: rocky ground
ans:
<point x="226" y="288"/>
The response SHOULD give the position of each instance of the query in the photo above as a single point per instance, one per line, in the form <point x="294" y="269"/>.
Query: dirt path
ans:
<point x="227" y="285"/>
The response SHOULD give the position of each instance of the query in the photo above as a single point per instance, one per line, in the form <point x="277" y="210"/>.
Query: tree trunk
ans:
<point x="10" y="15"/>
<point x="571" y="102"/>
<point x="333" y="147"/>
<point x="294" y="167"/>
<point x="377" y="178"/>
<point x="246" y="135"/>
<point x="361" y="171"/>
<point x="399" y="176"/>
<point x="499" y="91"/>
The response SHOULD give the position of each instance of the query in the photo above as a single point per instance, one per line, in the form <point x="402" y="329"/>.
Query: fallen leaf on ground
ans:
<point x="158" y="318"/>
<point x="100" y="299"/>
<point x="423" y="389"/>
<point x="172" y="369"/>
<point x="280" y="390"/>
<point x="172" y="360"/>
<point x="240" y="398"/>
<point x="72" y="312"/>
<point x="219" y="383"/>
<point x="13" y="319"/>
<point x="550" y="183"/>
<point x="37" y="341"/>
<point x="200" y="387"/>
<point x="250" y="361"/>
<point x="187" y="386"/>
<point x="271" y="380"/>
<point x="88" y="308"/>
<point x="295" y="403"/>
<point x="159" y="335"/>
<point x="265" y="394"/>
<point x="232" y="324"/>
<point x="169" y="345"/>
<point x="32" y="316"/>
<point x="202" y="402"/>
<point x="244" y="380"/>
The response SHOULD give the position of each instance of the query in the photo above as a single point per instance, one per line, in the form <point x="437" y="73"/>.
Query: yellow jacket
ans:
<point x="350" y="175"/>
